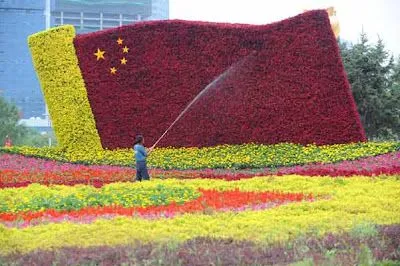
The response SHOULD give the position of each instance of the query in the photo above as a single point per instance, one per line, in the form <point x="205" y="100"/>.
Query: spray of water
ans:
<point x="217" y="80"/>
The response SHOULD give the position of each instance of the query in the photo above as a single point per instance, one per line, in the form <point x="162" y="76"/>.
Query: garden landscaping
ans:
<point x="322" y="204"/>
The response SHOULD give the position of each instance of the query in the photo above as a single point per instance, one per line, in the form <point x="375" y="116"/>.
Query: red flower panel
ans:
<point x="285" y="83"/>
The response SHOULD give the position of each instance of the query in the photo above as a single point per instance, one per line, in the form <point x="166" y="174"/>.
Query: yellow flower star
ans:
<point x="125" y="49"/>
<point x="120" y="41"/>
<point x="99" y="54"/>
<point x="113" y="70"/>
<point x="123" y="61"/>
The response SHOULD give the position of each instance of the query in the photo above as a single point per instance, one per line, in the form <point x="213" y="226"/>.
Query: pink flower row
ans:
<point x="19" y="171"/>
<point x="388" y="164"/>
<point x="23" y="163"/>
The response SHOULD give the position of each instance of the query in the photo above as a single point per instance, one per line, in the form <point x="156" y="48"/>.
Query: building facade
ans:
<point x="88" y="16"/>
<point x="21" y="18"/>
<point x="18" y="81"/>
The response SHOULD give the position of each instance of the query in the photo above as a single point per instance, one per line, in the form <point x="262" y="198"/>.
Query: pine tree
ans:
<point x="371" y="72"/>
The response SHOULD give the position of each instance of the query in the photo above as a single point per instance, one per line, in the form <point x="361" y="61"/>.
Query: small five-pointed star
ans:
<point x="123" y="61"/>
<point x="125" y="49"/>
<point x="99" y="54"/>
<point x="120" y="41"/>
<point x="113" y="70"/>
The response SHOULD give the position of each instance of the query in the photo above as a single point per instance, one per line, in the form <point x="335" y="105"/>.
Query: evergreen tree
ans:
<point x="394" y="95"/>
<point x="371" y="72"/>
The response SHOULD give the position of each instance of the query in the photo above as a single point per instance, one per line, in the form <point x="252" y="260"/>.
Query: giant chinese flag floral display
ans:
<point x="282" y="82"/>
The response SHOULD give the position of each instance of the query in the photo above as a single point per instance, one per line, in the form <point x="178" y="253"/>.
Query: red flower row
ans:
<point x="282" y="82"/>
<point x="211" y="200"/>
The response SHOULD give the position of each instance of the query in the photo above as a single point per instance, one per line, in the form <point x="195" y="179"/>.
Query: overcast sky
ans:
<point x="376" y="17"/>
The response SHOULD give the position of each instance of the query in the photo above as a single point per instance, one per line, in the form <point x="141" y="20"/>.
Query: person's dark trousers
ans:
<point x="141" y="171"/>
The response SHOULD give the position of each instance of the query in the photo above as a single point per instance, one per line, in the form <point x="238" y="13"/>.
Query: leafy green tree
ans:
<point x="372" y="74"/>
<point x="33" y="138"/>
<point x="19" y="134"/>
<point x="9" y="122"/>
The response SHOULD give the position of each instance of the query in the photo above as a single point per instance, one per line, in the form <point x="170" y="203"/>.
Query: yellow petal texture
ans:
<point x="56" y="64"/>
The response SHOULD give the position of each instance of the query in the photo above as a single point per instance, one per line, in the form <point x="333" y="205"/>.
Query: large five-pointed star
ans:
<point x="99" y="54"/>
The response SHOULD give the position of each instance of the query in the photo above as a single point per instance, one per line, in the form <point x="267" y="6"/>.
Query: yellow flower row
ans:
<point x="346" y="202"/>
<point x="225" y="156"/>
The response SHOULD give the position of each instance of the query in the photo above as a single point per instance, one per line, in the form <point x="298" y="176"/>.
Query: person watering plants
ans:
<point x="141" y="155"/>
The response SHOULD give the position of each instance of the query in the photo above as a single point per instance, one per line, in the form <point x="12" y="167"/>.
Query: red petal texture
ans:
<point x="282" y="82"/>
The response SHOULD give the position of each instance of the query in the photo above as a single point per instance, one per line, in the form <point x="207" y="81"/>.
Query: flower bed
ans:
<point x="226" y="156"/>
<point x="88" y="208"/>
<point x="377" y="245"/>
<point x="38" y="198"/>
<point x="19" y="171"/>
<point x="109" y="210"/>
<point x="386" y="164"/>
<point x="207" y="202"/>
<point x="340" y="205"/>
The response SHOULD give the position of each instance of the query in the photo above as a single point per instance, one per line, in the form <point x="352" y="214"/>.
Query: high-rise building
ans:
<point x="20" y="18"/>
<point x="18" y="81"/>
